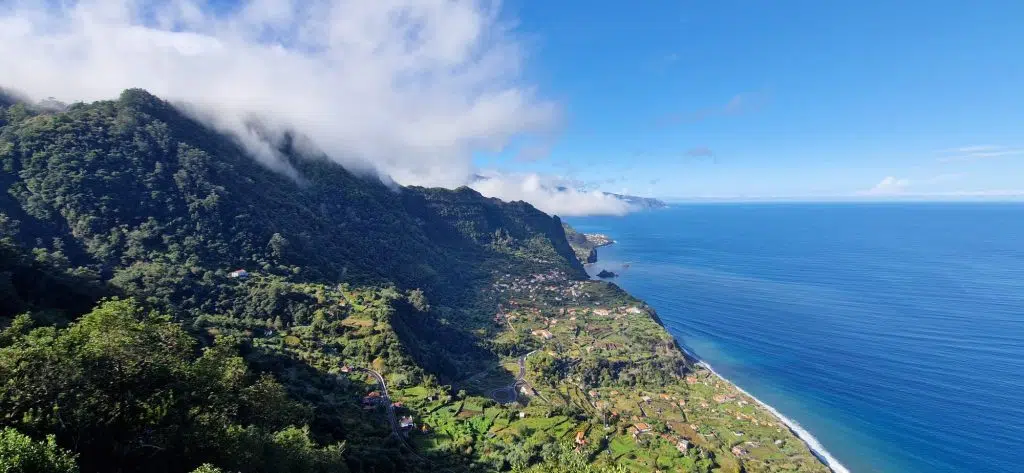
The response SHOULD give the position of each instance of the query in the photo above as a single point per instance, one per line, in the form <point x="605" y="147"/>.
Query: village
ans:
<point x="587" y="366"/>
<point x="584" y="323"/>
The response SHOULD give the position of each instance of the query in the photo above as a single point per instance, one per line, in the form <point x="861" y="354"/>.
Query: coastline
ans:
<point x="813" y="444"/>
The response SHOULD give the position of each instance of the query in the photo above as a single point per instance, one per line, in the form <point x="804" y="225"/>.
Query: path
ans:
<point x="392" y="418"/>
<point x="520" y="379"/>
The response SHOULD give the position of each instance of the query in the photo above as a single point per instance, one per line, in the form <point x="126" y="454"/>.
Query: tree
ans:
<point x="418" y="300"/>
<point x="20" y="454"/>
<point x="124" y="387"/>
<point x="207" y="468"/>
<point x="277" y="245"/>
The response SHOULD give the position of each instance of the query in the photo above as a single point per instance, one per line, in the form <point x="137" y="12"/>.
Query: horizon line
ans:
<point x="845" y="199"/>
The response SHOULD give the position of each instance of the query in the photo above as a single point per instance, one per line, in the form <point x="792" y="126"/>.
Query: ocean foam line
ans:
<point x="812" y="443"/>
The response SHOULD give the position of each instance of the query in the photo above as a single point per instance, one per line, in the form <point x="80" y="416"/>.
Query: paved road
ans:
<point x="392" y="418"/>
<point x="511" y="389"/>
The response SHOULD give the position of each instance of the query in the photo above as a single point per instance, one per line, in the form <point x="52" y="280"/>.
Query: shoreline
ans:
<point x="805" y="436"/>
<point x="813" y="444"/>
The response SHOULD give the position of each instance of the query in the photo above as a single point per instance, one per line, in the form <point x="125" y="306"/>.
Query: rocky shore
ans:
<point x="585" y="245"/>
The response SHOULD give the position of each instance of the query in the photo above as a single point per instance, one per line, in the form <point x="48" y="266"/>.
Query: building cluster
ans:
<point x="547" y="302"/>
<point x="569" y="298"/>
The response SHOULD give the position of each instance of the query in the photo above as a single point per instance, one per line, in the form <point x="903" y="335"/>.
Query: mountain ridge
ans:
<point x="148" y="213"/>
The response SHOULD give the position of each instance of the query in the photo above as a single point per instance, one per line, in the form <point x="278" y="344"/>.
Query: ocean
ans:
<point x="893" y="333"/>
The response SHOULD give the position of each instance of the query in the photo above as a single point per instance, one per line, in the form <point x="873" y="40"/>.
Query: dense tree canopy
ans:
<point x="129" y="389"/>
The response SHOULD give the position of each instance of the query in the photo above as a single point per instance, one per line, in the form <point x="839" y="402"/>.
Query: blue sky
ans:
<point x="678" y="99"/>
<point x="792" y="98"/>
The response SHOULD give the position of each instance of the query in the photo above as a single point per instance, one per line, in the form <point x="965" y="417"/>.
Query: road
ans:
<point x="511" y="389"/>
<point x="396" y="430"/>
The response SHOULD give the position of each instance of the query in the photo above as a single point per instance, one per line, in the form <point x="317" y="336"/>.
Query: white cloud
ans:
<point x="550" y="195"/>
<point x="888" y="186"/>
<point x="408" y="87"/>
<point x="891" y="185"/>
<point x="974" y="152"/>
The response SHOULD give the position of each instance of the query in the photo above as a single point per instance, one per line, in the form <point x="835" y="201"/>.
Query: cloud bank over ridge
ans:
<point x="409" y="88"/>
<point x="550" y="195"/>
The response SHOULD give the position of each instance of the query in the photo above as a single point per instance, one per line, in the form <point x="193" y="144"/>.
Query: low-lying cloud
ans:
<point x="550" y="195"/>
<point x="888" y="186"/>
<point x="408" y="88"/>
<point x="893" y="186"/>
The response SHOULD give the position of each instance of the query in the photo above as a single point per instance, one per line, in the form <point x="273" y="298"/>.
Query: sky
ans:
<point x="769" y="99"/>
<point x="557" y="102"/>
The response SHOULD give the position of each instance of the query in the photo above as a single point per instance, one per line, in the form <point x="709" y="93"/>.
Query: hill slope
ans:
<point x="474" y="314"/>
<point x="134" y="181"/>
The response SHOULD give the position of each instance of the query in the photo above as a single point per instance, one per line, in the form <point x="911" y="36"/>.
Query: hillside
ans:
<point x="129" y="336"/>
<point x="640" y="202"/>
<point x="585" y="245"/>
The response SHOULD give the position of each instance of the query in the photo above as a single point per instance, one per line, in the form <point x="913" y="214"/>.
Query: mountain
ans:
<point x="640" y="202"/>
<point x="585" y="245"/>
<point x="133" y="183"/>
<point x="169" y="304"/>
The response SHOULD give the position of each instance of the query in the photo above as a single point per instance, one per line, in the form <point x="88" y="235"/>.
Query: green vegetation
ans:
<point x="129" y="343"/>
<point x="583" y="245"/>
<point x="20" y="454"/>
<point x="126" y="387"/>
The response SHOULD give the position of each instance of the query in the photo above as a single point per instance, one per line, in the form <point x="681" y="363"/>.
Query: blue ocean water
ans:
<point x="894" y="333"/>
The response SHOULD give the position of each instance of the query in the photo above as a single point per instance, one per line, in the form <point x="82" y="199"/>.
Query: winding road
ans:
<point x="392" y="417"/>
<point x="511" y="389"/>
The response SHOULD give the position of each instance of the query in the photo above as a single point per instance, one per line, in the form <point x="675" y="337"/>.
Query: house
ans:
<point x="691" y="380"/>
<point x="406" y="422"/>
<point x="602" y="312"/>
<point x="634" y="310"/>
<point x="522" y="415"/>
<point x="739" y="452"/>
<point x="639" y="428"/>
<point x="346" y="369"/>
<point x="592" y="393"/>
<point x="527" y="391"/>
<point x="371" y="400"/>
<point x="546" y="335"/>
<point x="581" y="439"/>
<point x="646" y="399"/>
<point x="682" y="445"/>
<point x="720" y="398"/>
<point x="665" y="396"/>
<point x="239" y="273"/>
